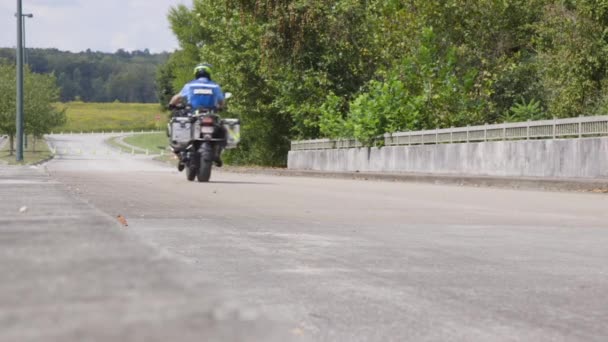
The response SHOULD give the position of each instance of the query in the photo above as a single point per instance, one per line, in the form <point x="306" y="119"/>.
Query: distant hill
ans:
<point x="97" y="76"/>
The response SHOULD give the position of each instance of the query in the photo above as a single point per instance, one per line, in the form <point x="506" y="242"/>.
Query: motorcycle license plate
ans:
<point x="207" y="129"/>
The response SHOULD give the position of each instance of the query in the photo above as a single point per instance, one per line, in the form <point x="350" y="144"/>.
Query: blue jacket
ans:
<point x="202" y="93"/>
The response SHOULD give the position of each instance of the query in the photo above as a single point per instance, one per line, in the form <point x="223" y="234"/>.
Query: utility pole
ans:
<point x="19" y="118"/>
<point x="24" y="56"/>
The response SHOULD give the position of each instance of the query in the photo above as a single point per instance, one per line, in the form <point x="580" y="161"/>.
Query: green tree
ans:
<point x="85" y="75"/>
<point x="572" y="57"/>
<point x="312" y="68"/>
<point x="40" y="93"/>
<point x="422" y="91"/>
<point x="164" y="84"/>
<point x="7" y="101"/>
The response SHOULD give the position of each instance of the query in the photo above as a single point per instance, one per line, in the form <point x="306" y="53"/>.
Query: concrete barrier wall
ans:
<point x="561" y="158"/>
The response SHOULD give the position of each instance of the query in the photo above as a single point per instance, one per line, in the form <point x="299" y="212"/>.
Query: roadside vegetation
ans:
<point x="154" y="143"/>
<point x="114" y="116"/>
<point x="115" y="142"/>
<point x="93" y="76"/>
<point x="36" y="151"/>
<point x="312" y="68"/>
<point x="305" y="69"/>
<point x="40" y="92"/>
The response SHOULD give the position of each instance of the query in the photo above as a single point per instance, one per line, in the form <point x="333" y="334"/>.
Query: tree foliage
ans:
<point x="40" y="93"/>
<point x="96" y="76"/>
<point x="351" y="68"/>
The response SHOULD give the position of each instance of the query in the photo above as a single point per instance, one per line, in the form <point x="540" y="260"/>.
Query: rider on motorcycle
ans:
<point x="200" y="94"/>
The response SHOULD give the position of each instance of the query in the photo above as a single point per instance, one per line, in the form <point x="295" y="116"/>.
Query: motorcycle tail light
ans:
<point x="207" y="120"/>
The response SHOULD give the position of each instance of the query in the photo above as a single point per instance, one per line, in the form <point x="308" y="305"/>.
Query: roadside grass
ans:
<point x="115" y="116"/>
<point x="29" y="155"/>
<point x="154" y="142"/>
<point x="115" y="143"/>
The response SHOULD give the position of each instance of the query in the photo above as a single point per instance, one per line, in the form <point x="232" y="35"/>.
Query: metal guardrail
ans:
<point x="583" y="126"/>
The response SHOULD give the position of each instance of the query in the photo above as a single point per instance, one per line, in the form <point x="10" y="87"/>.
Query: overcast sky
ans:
<point x="99" y="25"/>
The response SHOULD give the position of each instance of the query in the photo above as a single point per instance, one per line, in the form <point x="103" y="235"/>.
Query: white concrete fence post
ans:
<point x="485" y="132"/>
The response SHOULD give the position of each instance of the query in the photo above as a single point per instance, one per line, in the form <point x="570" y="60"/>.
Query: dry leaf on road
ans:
<point x="122" y="220"/>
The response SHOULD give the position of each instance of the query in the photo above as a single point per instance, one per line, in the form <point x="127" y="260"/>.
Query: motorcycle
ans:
<point x="198" y="139"/>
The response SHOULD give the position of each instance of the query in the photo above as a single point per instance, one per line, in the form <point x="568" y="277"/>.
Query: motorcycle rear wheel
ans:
<point x="206" y="155"/>
<point x="204" y="172"/>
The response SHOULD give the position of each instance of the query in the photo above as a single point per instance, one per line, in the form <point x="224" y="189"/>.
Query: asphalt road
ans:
<point x="345" y="260"/>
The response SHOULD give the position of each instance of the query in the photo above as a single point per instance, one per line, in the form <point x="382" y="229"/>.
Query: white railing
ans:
<point x="583" y="126"/>
<point x="107" y="132"/>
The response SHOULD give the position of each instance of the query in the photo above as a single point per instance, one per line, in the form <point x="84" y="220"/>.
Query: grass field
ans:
<point x="29" y="156"/>
<point x="154" y="142"/>
<point x="113" y="116"/>
<point x="114" y="142"/>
